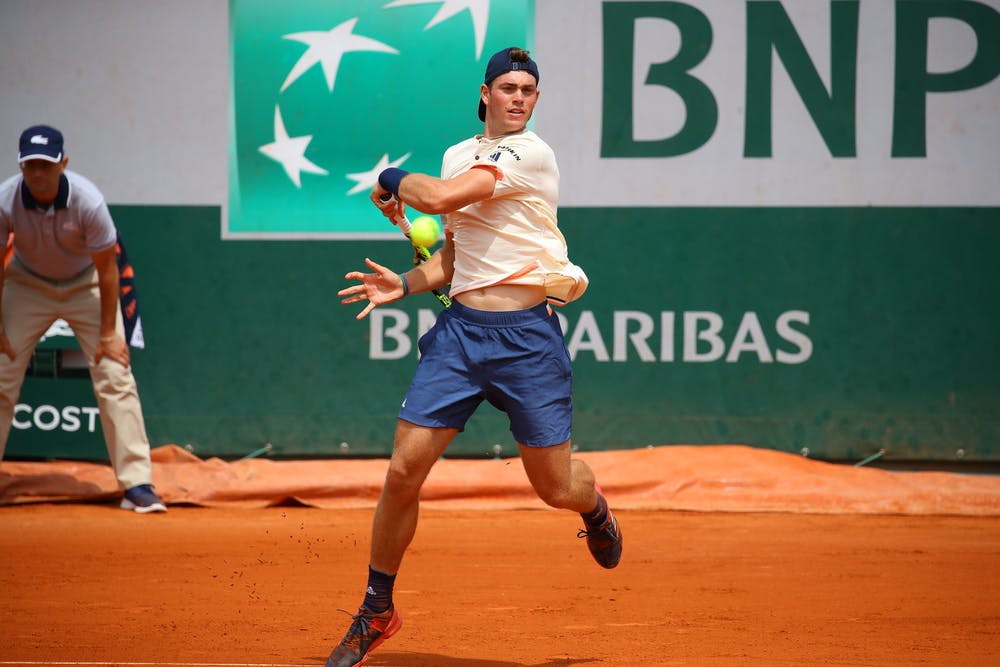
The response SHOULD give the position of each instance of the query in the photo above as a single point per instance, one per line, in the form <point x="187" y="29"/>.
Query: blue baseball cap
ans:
<point x="41" y="142"/>
<point x="501" y="63"/>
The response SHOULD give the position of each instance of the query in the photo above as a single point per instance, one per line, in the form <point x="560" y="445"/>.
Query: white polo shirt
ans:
<point x="512" y="237"/>
<point x="56" y="242"/>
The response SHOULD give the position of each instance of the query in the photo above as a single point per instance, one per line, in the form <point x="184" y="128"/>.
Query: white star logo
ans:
<point x="366" y="179"/>
<point x="478" y="9"/>
<point x="327" y="48"/>
<point x="290" y="152"/>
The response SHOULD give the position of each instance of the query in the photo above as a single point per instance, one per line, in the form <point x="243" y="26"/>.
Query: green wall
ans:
<point x="247" y="343"/>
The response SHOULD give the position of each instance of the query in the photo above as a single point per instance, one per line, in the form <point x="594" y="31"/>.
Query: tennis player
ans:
<point x="506" y="261"/>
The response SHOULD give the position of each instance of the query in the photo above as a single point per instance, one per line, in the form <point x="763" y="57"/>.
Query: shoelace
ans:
<point x="596" y="532"/>
<point x="605" y="529"/>
<point x="359" y="628"/>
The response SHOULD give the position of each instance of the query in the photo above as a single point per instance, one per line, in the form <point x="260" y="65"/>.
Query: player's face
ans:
<point x="510" y="101"/>
<point x="42" y="178"/>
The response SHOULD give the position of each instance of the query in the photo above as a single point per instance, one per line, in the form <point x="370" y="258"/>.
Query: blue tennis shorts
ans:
<point x="516" y="360"/>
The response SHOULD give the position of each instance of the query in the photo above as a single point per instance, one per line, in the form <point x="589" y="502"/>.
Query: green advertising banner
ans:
<point x="325" y="95"/>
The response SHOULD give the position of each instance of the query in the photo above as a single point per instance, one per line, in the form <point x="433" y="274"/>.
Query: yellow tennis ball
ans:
<point x="424" y="231"/>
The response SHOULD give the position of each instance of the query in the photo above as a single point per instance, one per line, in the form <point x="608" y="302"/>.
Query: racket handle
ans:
<point x="400" y="221"/>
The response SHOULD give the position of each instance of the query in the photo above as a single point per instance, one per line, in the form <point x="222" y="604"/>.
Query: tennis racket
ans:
<point x="420" y="253"/>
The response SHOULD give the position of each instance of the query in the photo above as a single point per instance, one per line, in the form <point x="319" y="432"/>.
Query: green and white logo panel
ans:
<point x="326" y="94"/>
<point x="768" y="103"/>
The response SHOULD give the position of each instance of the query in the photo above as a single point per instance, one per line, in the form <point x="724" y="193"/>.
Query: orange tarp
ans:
<point x="700" y="478"/>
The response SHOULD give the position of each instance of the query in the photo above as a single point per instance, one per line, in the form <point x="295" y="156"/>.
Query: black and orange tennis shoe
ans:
<point x="604" y="542"/>
<point x="366" y="633"/>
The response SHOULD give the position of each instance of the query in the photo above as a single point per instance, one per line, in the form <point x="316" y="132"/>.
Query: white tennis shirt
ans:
<point x="512" y="237"/>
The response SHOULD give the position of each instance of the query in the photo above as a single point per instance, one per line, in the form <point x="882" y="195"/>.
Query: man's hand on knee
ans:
<point x="113" y="348"/>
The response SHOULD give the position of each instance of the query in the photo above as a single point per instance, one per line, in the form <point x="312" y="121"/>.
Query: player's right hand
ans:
<point x="390" y="206"/>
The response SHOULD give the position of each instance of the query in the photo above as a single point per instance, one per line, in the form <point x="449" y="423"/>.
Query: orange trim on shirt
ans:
<point x="497" y="171"/>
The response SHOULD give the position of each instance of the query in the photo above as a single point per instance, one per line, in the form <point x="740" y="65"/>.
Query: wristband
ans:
<point x="406" y="288"/>
<point x="390" y="179"/>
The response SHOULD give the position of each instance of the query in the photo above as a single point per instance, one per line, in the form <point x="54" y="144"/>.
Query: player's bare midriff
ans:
<point x="503" y="297"/>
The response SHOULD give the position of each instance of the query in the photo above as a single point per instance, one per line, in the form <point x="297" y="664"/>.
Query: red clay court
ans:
<point x="733" y="556"/>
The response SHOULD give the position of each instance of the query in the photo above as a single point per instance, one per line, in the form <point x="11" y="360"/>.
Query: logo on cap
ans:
<point x="40" y="142"/>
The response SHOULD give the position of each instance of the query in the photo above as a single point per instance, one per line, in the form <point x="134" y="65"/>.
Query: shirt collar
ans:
<point x="61" y="200"/>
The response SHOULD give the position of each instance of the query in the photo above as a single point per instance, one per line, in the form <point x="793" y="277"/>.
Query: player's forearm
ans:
<point x="436" y="196"/>
<point x="428" y="275"/>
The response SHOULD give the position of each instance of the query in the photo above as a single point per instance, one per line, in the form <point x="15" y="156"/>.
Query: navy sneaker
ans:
<point x="142" y="499"/>
<point x="365" y="634"/>
<point x="605" y="542"/>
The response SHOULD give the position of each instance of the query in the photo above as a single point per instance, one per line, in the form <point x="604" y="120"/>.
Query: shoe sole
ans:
<point x="127" y="504"/>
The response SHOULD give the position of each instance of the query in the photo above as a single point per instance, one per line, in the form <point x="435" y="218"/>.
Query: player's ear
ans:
<point x="484" y="93"/>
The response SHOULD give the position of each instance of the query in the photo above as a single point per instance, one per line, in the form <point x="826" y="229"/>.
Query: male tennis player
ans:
<point x="506" y="261"/>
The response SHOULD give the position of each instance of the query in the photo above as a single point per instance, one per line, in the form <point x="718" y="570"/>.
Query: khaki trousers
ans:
<point x="30" y="306"/>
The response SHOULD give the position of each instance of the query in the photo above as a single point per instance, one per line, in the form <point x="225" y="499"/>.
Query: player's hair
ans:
<point x="519" y="55"/>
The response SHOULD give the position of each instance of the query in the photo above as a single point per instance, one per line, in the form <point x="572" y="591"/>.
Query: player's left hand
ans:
<point x="382" y="286"/>
<point x="113" y="348"/>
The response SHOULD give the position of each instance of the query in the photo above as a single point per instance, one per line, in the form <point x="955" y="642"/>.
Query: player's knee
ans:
<point x="557" y="497"/>
<point x="401" y="484"/>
